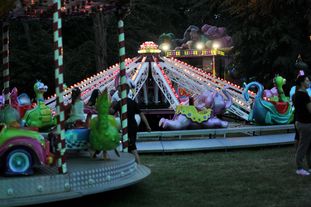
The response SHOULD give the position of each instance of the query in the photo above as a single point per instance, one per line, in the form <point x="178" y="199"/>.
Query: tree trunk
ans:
<point x="100" y="22"/>
<point x="27" y="34"/>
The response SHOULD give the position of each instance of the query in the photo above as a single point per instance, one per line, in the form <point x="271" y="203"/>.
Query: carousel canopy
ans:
<point x="44" y="8"/>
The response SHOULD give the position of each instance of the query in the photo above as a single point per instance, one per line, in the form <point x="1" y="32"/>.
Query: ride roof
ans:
<point x="44" y="8"/>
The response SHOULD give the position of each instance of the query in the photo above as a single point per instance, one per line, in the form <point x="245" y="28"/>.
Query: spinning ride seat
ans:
<point x="77" y="139"/>
<point x="281" y="107"/>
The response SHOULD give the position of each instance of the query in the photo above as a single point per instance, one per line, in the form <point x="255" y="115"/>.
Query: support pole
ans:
<point x="58" y="60"/>
<point x="214" y="66"/>
<point x="6" y="65"/>
<point x="156" y="93"/>
<point x="123" y="83"/>
<point x="145" y="94"/>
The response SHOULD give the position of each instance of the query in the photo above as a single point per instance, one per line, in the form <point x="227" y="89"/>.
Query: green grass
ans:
<point x="257" y="177"/>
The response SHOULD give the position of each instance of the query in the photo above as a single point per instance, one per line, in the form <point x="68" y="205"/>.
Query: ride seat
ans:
<point x="281" y="107"/>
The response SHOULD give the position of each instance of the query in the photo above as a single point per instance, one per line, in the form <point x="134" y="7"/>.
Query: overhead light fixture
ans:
<point x="216" y="45"/>
<point x="199" y="45"/>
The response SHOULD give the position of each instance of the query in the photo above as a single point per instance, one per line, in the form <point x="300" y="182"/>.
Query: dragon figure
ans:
<point x="203" y="114"/>
<point x="104" y="132"/>
<point x="41" y="115"/>
<point x="14" y="98"/>
<point x="20" y="102"/>
<point x="277" y="93"/>
<point x="9" y="114"/>
<point x="276" y="110"/>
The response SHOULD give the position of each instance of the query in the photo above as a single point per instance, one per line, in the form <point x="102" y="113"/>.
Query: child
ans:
<point x="76" y="117"/>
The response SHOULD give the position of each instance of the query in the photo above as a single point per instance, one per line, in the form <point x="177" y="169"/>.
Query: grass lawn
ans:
<point x="254" y="177"/>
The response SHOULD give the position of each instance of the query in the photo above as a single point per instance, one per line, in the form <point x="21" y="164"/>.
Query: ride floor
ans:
<point x="85" y="176"/>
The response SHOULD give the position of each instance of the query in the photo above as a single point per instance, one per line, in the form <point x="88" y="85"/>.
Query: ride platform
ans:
<point x="169" y="146"/>
<point x="232" y="137"/>
<point x="85" y="176"/>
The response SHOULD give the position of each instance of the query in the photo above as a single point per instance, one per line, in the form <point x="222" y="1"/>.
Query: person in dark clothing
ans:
<point x="296" y="134"/>
<point x="295" y="124"/>
<point x="90" y="107"/>
<point x="132" y="109"/>
<point x="302" y="105"/>
<point x="93" y="98"/>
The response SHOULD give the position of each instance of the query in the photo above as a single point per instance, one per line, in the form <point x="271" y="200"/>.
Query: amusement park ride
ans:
<point x="25" y="152"/>
<point x="168" y="74"/>
<point x="22" y="149"/>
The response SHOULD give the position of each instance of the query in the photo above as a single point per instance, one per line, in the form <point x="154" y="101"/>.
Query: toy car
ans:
<point x="21" y="150"/>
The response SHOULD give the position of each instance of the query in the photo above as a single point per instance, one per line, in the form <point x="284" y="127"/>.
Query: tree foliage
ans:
<point x="268" y="36"/>
<point x="5" y="7"/>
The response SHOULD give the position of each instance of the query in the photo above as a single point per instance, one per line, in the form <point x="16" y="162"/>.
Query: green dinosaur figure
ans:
<point x="104" y="132"/>
<point x="41" y="115"/>
<point x="279" y="81"/>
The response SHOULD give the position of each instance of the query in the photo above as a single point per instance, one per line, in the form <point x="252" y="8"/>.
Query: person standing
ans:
<point x="302" y="105"/>
<point x="292" y="92"/>
<point x="132" y="109"/>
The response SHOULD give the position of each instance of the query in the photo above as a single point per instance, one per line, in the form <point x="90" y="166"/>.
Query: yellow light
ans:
<point x="199" y="45"/>
<point x="149" y="51"/>
<point x="216" y="45"/>
<point x="165" y="46"/>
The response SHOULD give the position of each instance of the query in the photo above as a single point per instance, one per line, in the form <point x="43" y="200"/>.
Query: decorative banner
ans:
<point x="123" y="83"/>
<point x="193" y="53"/>
<point x="42" y="8"/>
<point x="6" y="66"/>
<point x="58" y="60"/>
